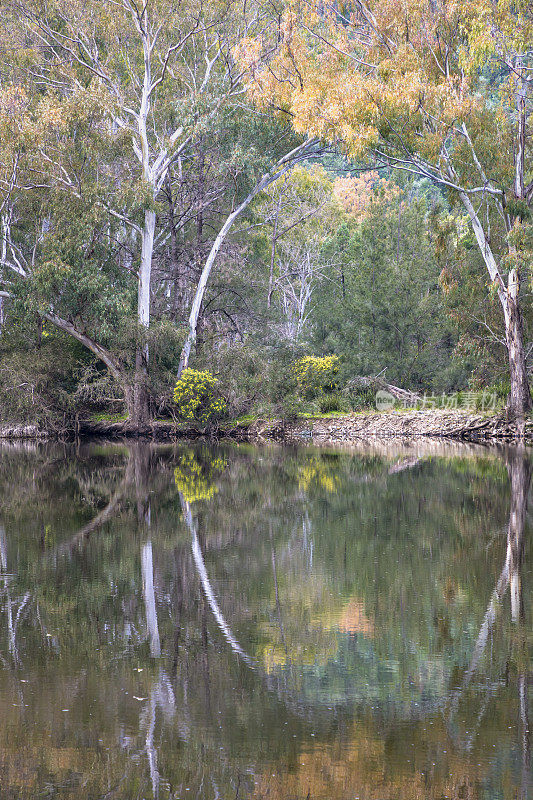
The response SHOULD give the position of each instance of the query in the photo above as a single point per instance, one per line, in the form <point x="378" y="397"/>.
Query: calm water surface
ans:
<point x="238" y="622"/>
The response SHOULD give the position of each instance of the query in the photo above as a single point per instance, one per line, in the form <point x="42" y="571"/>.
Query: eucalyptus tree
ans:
<point x="283" y="165"/>
<point x="440" y="90"/>
<point x="158" y="70"/>
<point x="147" y="82"/>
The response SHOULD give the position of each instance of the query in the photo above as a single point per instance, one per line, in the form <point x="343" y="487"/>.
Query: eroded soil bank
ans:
<point x="457" y="425"/>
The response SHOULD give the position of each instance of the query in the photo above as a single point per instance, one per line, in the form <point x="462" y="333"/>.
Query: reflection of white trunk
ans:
<point x="12" y="644"/>
<point x="516" y="590"/>
<point x="489" y="619"/>
<point x="161" y="696"/>
<point x="206" y="585"/>
<point x="151" y="752"/>
<point x="519" y="469"/>
<point x="526" y="746"/>
<point x="147" y="568"/>
<point x="11" y="622"/>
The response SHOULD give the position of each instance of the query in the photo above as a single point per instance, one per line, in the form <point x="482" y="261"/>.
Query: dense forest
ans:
<point x="214" y="209"/>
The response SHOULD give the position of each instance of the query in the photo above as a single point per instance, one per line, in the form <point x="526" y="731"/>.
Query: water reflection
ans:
<point x="251" y="623"/>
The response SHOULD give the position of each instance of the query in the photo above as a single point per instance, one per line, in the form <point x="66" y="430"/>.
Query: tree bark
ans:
<point x="139" y="409"/>
<point x="273" y="254"/>
<point x="140" y="414"/>
<point x="519" y="402"/>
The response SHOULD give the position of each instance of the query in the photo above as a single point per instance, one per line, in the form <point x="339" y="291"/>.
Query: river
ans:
<point x="265" y="623"/>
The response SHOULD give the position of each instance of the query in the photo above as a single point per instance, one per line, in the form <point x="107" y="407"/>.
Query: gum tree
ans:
<point x="438" y="89"/>
<point x="114" y="98"/>
<point x="159" y="70"/>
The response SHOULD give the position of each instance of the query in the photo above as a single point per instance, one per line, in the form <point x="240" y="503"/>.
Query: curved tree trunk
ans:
<point x="113" y="365"/>
<point x="519" y="403"/>
<point x="282" y="166"/>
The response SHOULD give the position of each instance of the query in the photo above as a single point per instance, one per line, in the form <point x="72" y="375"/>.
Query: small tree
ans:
<point x="316" y="375"/>
<point x="195" y="396"/>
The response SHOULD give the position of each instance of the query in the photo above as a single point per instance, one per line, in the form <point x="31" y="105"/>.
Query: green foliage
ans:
<point x="333" y="402"/>
<point x="39" y="376"/>
<point x="195" y="396"/>
<point x="291" y="407"/>
<point x="360" y="397"/>
<point x="518" y="208"/>
<point x="383" y="310"/>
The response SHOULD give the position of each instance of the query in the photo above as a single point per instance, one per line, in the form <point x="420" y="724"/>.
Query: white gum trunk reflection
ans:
<point x="147" y="568"/>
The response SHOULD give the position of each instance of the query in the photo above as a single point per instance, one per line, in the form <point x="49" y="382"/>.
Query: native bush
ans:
<point x="196" y="396"/>
<point x="333" y="402"/>
<point x="316" y="375"/>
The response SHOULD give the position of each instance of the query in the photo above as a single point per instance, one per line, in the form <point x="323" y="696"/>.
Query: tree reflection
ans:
<point x="206" y="619"/>
<point x="519" y="469"/>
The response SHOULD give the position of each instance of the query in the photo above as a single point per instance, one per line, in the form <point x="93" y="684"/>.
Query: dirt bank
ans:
<point x="456" y="425"/>
<point x="23" y="432"/>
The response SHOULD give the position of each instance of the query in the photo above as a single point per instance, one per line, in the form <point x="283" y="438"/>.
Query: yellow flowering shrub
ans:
<point x="195" y="396"/>
<point x="316" y="374"/>
<point x="195" y="480"/>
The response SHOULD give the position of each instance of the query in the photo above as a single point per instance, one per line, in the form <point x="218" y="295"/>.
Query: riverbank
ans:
<point x="453" y="425"/>
<point x="436" y="423"/>
<point x="30" y="432"/>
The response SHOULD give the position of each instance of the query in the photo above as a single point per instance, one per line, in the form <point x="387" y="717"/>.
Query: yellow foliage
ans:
<point x="404" y="76"/>
<point x="194" y="394"/>
<point x="316" y="473"/>
<point x="314" y="374"/>
<point x="355" y="194"/>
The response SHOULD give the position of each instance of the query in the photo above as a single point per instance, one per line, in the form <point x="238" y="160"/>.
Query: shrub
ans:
<point x="195" y="396"/>
<point x="316" y="375"/>
<point x="361" y="397"/>
<point x="502" y="390"/>
<point x="290" y="408"/>
<point x="333" y="402"/>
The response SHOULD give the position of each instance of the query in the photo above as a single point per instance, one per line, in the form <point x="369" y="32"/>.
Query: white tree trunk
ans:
<point x="141" y="409"/>
<point x="520" y="397"/>
<point x="145" y="268"/>
<point x="282" y="166"/>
